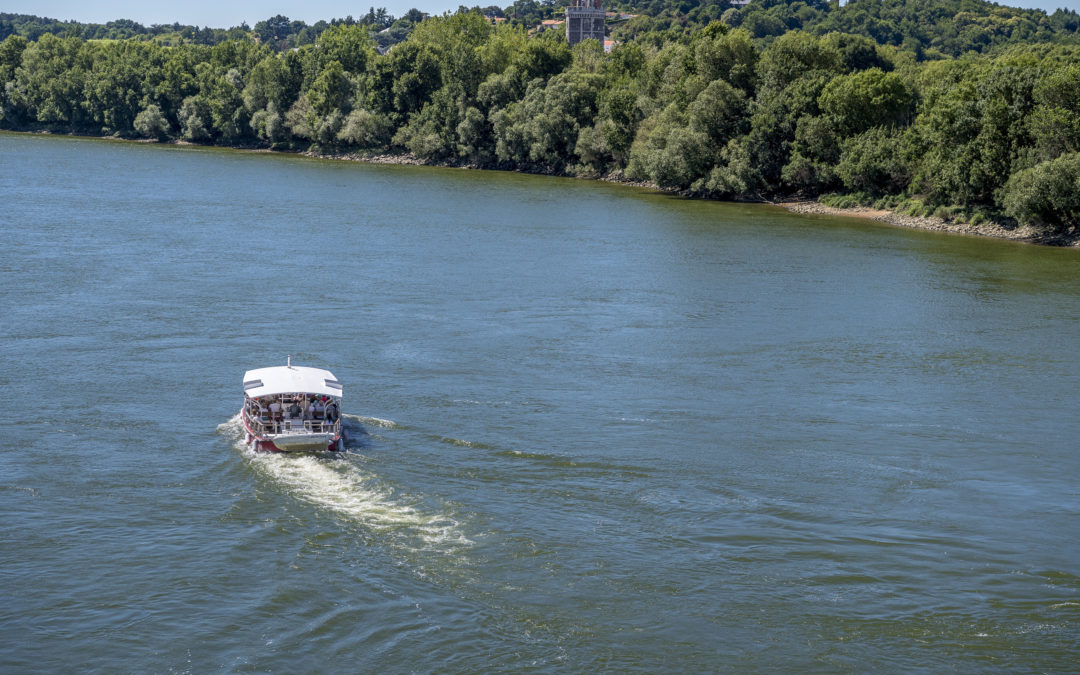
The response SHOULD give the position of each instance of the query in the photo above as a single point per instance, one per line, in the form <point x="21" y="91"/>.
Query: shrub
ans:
<point x="1046" y="195"/>
<point x="365" y="129"/>
<point x="150" y="123"/>
<point x="871" y="162"/>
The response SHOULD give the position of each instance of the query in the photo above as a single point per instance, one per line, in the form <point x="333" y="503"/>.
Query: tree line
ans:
<point x="710" y="111"/>
<point x="278" y="31"/>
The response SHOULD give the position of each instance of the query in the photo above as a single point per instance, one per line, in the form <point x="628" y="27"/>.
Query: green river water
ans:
<point x="594" y="428"/>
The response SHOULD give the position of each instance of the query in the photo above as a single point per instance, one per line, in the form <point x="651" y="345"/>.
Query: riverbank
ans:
<point x="995" y="230"/>
<point x="1023" y="233"/>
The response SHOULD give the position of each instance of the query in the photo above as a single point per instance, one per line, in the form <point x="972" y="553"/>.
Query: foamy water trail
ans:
<point x="342" y="488"/>
<point x="372" y="421"/>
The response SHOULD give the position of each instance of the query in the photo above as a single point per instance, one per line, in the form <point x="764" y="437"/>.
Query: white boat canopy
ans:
<point x="290" y="380"/>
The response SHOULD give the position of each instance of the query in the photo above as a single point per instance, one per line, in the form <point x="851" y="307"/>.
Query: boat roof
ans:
<point x="290" y="380"/>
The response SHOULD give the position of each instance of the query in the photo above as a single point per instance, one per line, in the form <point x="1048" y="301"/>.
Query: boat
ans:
<point x="292" y="409"/>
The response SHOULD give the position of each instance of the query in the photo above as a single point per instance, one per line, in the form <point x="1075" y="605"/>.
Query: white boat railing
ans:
<point x="266" y="426"/>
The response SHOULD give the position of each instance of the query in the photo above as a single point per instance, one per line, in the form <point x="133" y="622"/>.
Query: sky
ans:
<point x="228" y="13"/>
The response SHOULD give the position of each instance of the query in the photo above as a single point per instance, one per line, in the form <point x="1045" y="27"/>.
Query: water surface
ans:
<point x="595" y="428"/>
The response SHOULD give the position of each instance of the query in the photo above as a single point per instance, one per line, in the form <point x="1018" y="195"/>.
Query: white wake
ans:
<point x="340" y="487"/>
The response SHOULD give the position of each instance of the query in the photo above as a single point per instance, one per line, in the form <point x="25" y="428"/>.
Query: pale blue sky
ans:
<point x="224" y="14"/>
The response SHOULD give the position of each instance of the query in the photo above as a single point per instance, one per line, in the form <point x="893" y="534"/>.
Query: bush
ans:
<point x="194" y="114"/>
<point x="1046" y="195"/>
<point x="829" y="199"/>
<point x="365" y="129"/>
<point x="871" y="162"/>
<point x="267" y="124"/>
<point x="150" y="123"/>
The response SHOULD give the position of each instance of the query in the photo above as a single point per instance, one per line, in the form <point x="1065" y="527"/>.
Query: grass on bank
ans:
<point x="914" y="206"/>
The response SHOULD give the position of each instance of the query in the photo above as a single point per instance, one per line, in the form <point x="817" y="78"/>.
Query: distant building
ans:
<point x="584" y="21"/>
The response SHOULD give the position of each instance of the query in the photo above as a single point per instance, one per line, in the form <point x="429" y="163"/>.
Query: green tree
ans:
<point x="268" y="124"/>
<point x="12" y="113"/>
<point x="815" y="153"/>
<point x="866" y="99"/>
<point x="543" y="56"/>
<point x="431" y="133"/>
<point x="873" y="162"/>
<point x="350" y="46"/>
<point x="501" y="89"/>
<point x="113" y="88"/>
<point x="330" y="91"/>
<point x="720" y="113"/>
<point x="302" y="120"/>
<point x="457" y="44"/>
<point x="365" y="129"/>
<point x="618" y="118"/>
<point x="50" y="81"/>
<point x="265" y="84"/>
<point x="150" y="123"/>
<point x="543" y="128"/>
<point x="973" y="127"/>
<point x="11" y="51"/>
<point x="794" y="55"/>
<point x="729" y="56"/>
<point x="176" y="81"/>
<point x="195" y="119"/>
<point x="1046" y="195"/>
<point x="474" y="137"/>
<point x="668" y="152"/>
<point x="1055" y="120"/>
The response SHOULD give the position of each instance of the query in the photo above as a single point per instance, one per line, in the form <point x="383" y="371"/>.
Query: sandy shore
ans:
<point x="996" y="230"/>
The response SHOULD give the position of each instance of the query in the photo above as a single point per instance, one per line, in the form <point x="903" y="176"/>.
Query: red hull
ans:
<point x="268" y="446"/>
<point x="265" y="445"/>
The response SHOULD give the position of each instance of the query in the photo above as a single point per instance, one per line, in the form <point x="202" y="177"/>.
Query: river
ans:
<point x="594" y="427"/>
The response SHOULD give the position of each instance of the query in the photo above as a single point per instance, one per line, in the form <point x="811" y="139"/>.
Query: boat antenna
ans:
<point x="288" y="361"/>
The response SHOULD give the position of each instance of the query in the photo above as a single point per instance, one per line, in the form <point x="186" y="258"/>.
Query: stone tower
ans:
<point x="584" y="20"/>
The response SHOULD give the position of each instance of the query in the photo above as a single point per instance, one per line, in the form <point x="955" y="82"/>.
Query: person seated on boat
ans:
<point x="331" y="413"/>
<point x="309" y="412"/>
<point x="294" y="410"/>
<point x="260" y="410"/>
<point x="275" y="409"/>
<point x="319" y="407"/>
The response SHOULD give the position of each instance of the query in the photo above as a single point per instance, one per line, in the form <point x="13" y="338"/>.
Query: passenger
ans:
<point x="331" y="413"/>
<point x="319" y="405"/>
<point x="309" y="414"/>
<point x="294" y="410"/>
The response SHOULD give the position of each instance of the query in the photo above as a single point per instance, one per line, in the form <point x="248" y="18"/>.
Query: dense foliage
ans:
<point x="711" y="111"/>
<point x="33" y="27"/>
<point x="928" y="27"/>
<point x="278" y="31"/>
